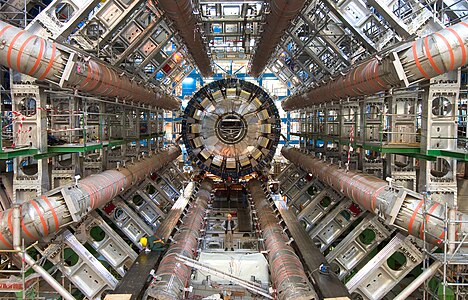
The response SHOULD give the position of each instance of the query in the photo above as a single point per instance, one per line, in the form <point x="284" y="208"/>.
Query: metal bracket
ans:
<point x="397" y="205"/>
<point x="68" y="69"/>
<point x="73" y="206"/>
<point x="399" y="69"/>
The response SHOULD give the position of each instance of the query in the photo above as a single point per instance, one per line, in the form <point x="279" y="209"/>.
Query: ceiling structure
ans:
<point x="161" y="42"/>
<point x="231" y="28"/>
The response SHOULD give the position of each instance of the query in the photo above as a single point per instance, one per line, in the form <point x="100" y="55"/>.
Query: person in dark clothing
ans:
<point x="244" y="197"/>
<point x="53" y="140"/>
<point x="152" y="243"/>
<point x="228" y="188"/>
<point x="229" y="226"/>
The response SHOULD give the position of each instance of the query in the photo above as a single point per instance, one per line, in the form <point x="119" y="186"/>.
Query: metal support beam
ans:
<point x="390" y="17"/>
<point x="413" y="286"/>
<point x="354" y="247"/>
<point x="377" y="278"/>
<point x="340" y="13"/>
<point x="438" y="124"/>
<point x="59" y="19"/>
<point x="333" y="225"/>
<point x="46" y="276"/>
<point x="320" y="32"/>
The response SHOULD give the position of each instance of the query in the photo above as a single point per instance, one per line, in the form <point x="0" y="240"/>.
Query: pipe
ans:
<point x="287" y="272"/>
<point x="276" y="23"/>
<point x="428" y="273"/>
<point x="46" y="276"/>
<point x="56" y="209"/>
<point x="180" y="12"/>
<point x="452" y="231"/>
<point x="377" y="197"/>
<point x="54" y="62"/>
<point x="426" y="57"/>
<point x="172" y="276"/>
<point x="16" y="215"/>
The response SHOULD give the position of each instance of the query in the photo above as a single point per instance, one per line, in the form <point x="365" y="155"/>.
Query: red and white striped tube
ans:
<point x="180" y="12"/>
<point x="45" y="215"/>
<point x="277" y="21"/>
<point x="46" y="60"/>
<point x="376" y="196"/>
<point x="437" y="53"/>
<point x="172" y="276"/>
<point x="30" y="54"/>
<point x="287" y="272"/>
<point x="427" y="57"/>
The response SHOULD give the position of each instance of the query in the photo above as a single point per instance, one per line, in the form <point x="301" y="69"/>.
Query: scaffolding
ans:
<point x="18" y="12"/>
<point x="26" y="286"/>
<point x="449" y="255"/>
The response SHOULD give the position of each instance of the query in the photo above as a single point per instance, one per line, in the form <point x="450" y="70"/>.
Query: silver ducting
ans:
<point x="45" y="215"/>
<point x="426" y="57"/>
<point x="398" y="206"/>
<point x="54" y="62"/>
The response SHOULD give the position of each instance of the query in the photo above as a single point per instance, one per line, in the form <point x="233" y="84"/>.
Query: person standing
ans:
<point x="244" y="196"/>
<point x="229" y="226"/>
<point x="228" y="188"/>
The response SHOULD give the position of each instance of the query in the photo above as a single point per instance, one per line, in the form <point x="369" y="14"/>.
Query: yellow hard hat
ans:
<point x="143" y="241"/>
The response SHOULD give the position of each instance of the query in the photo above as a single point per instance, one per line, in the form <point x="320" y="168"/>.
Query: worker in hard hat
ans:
<point x="229" y="226"/>
<point x="152" y="243"/>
